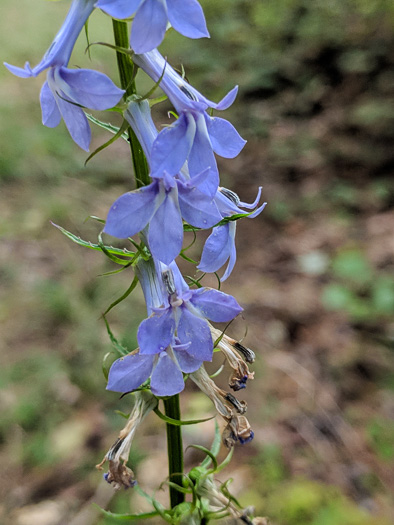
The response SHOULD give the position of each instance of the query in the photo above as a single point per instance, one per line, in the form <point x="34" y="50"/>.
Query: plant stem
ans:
<point x="175" y="449"/>
<point x="126" y="74"/>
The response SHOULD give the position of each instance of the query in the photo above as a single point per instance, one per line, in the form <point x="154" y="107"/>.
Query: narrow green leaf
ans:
<point x="117" y="135"/>
<point x="178" y="422"/>
<point x="109" y="254"/>
<point x="196" y="282"/>
<point x="118" y="49"/>
<point x="130" y="517"/>
<point x="218" y="371"/>
<point x="95" y="218"/>
<point x="234" y="217"/>
<point x="113" y="272"/>
<point x="188" y="259"/>
<point x="226" y="492"/>
<point x="87" y="37"/>
<point x="157" y="84"/>
<point x="208" y="453"/>
<point x="104" y="366"/>
<point x="115" y="343"/>
<point x="157" y="100"/>
<point x="158" y="506"/>
<point x="219" y="281"/>
<point x="178" y="488"/>
<point x="123" y="296"/>
<point x="94" y="246"/>
<point x="225" y="462"/>
<point x="189" y="228"/>
<point x="215" y="446"/>
<point x="106" y="125"/>
<point x="120" y="413"/>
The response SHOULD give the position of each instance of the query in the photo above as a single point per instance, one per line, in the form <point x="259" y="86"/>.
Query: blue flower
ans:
<point x="163" y="203"/>
<point x="195" y="136"/>
<point x="220" y="245"/>
<point x="65" y="90"/>
<point x="176" y="338"/>
<point x="151" y="18"/>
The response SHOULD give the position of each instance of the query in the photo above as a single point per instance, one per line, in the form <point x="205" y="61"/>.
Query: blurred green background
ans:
<point x="315" y="270"/>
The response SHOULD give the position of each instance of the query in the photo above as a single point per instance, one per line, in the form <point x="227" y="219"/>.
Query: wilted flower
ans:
<point x="238" y="427"/>
<point x="119" y="474"/>
<point x="151" y="18"/>
<point x="230" y="349"/>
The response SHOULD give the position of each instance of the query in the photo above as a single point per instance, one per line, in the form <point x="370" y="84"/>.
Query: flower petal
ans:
<point x="197" y="208"/>
<point x="216" y="306"/>
<point x="167" y="378"/>
<point x="187" y="17"/>
<point x="88" y="88"/>
<point x="166" y="229"/>
<point x="156" y="333"/>
<point x="119" y="8"/>
<point x="217" y="249"/>
<point x="131" y="212"/>
<point x="129" y="372"/>
<point x="227" y="100"/>
<point x="51" y="116"/>
<point x="22" y="72"/>
<point x="149" y="26"/>
<point x="196" y="331"/>
<point x="225" y="139"/>
<point x="201" y="157"/>
<point x="75" y="120"/>
<point x="172" y="146"/>
<point x="187" y="363"/>
<point x="231" y="263"/>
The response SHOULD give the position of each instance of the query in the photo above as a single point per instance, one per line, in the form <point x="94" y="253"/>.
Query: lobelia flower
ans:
<point x="176" y="337"/>
<point x="151" y="18"/>
<point x="220" y="245"/>
<point x="67" y="89"/>
<point x="163" y="203"/>
<point x="195" y="135"/>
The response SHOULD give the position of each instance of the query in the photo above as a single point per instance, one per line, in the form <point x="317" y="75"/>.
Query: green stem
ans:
<point x="175" y="449"/>
<point x="126" y="74"/>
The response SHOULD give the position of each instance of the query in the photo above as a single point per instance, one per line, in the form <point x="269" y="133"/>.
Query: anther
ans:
<point x="168" y="280"/>
<point x="231" y="195"/>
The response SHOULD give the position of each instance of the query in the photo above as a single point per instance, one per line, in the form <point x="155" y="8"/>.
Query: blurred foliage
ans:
<point x="358" y="290"/>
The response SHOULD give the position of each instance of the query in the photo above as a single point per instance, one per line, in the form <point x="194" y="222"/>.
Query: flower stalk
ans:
<point x="175" y="449"/>
<point x="126" y="75"/>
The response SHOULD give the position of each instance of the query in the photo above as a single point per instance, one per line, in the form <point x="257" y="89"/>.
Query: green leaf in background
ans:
<point x="383" y="295"/>
<point x="352" y="265"/>
<point x="381" y="437"/>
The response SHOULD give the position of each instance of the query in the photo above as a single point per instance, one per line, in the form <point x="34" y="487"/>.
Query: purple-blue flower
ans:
<point x="175" y="339"/>
<point x="66" y="90"/>
<point x="195" y="136"/>
<point x="151" y="18"/>
<point x="220" y="245"/>
<point x="163" y="203"/>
